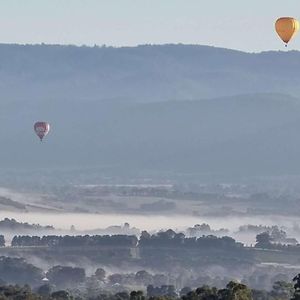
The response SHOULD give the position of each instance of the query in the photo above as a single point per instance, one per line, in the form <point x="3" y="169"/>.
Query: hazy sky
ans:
<point x="240" y="24"/>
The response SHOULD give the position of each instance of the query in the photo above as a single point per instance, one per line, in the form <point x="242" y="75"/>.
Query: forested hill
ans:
<point x="255" y="134"/>
<point x="159" y="108"/>
<point x="144" y="73"/>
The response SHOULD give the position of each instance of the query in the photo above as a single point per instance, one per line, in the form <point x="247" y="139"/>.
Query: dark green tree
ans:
<point x="263" y="240"/>
<point x="137" y="295"/>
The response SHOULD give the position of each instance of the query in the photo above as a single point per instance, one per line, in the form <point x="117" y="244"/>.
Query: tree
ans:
<point x="145" y="235"/>
<point x="184" y="291"/>
<point x="137" y="295"/>
<point x="61" y="295"/>
<point x="202" y="293"/>
<point x="282" y="290"/>
<point x="63" y="276"/>
<point x="296" y="281"/>
<point x="205" y="292"/>
<point x="100" y="274"/>
<point x="235" y="291"/>
<point x="143" y="277"/>
<point x="263" y="240"/>
<point x="18" y="271"/>
<point x="17" y="293"/>
<point x="44" y="290"/>
<point x="164" y="290"/>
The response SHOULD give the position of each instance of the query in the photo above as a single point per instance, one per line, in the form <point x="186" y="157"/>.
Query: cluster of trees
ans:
<point x="13" y="225"/>
<point x="75" y="241"/>
<point x="65" y="276"/>
<point x="15" y="292"/>
<point x="204" y="229"/>
<point x="267" y="240"/>
<point x="10" y="292"/>
<point x="17" y="271"/>
<point x="62" y="281"/>
<point x="170" y="238"/>
<point x="162" y="291"/>
<point x="167" y="238"/>
<point x="141" y="278"/>
<point x="277" y="235"/>
<point x="256" y="228"/>
<point x="232" y="291"/>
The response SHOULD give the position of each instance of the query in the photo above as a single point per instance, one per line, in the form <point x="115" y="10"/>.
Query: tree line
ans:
<point x="232" y="291"/>
<point x="167" y="238"/>
<point x="75" y="241"/>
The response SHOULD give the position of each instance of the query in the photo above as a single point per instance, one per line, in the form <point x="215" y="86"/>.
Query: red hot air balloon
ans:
<point x="41" y="129"/>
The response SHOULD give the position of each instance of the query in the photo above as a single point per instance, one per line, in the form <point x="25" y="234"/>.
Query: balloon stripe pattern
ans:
<point x="41" y="129"/>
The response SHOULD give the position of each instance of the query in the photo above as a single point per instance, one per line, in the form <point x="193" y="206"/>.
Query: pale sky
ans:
<point x="246" y="25"/>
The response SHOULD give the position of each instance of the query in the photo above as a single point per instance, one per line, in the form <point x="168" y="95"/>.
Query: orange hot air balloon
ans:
<point x="41" y="129"/>
<point x="286" y="28"/>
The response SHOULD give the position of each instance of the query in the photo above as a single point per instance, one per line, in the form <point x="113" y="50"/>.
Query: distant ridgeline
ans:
<point x="145" y="73"/>
<point x="179" y="109"/>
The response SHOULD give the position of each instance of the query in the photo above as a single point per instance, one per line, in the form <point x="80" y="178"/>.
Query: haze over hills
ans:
<point x="173" y="108"/>
<point x="144" y="73"/>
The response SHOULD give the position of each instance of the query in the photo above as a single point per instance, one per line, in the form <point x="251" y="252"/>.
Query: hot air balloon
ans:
<point x="286" y="28"/>
<point x="41" y="129"/>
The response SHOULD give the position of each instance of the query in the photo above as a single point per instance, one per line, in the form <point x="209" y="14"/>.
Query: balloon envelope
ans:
<point x="41" y="129"/>
<point x="286" y="28"/>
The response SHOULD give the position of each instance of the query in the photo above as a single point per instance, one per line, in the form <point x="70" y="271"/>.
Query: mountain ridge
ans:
<point x="232" y="135"/>
<point x="165" y="108"/>
<point x="145" y="73"/>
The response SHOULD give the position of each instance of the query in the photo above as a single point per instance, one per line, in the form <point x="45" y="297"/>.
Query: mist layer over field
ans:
<point x="93" y="222"/>
<point x="84" y="221"/>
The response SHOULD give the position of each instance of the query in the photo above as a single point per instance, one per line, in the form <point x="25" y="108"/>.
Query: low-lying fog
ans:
<point x="153" y="207"/>
<point x="83" y="221"/>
